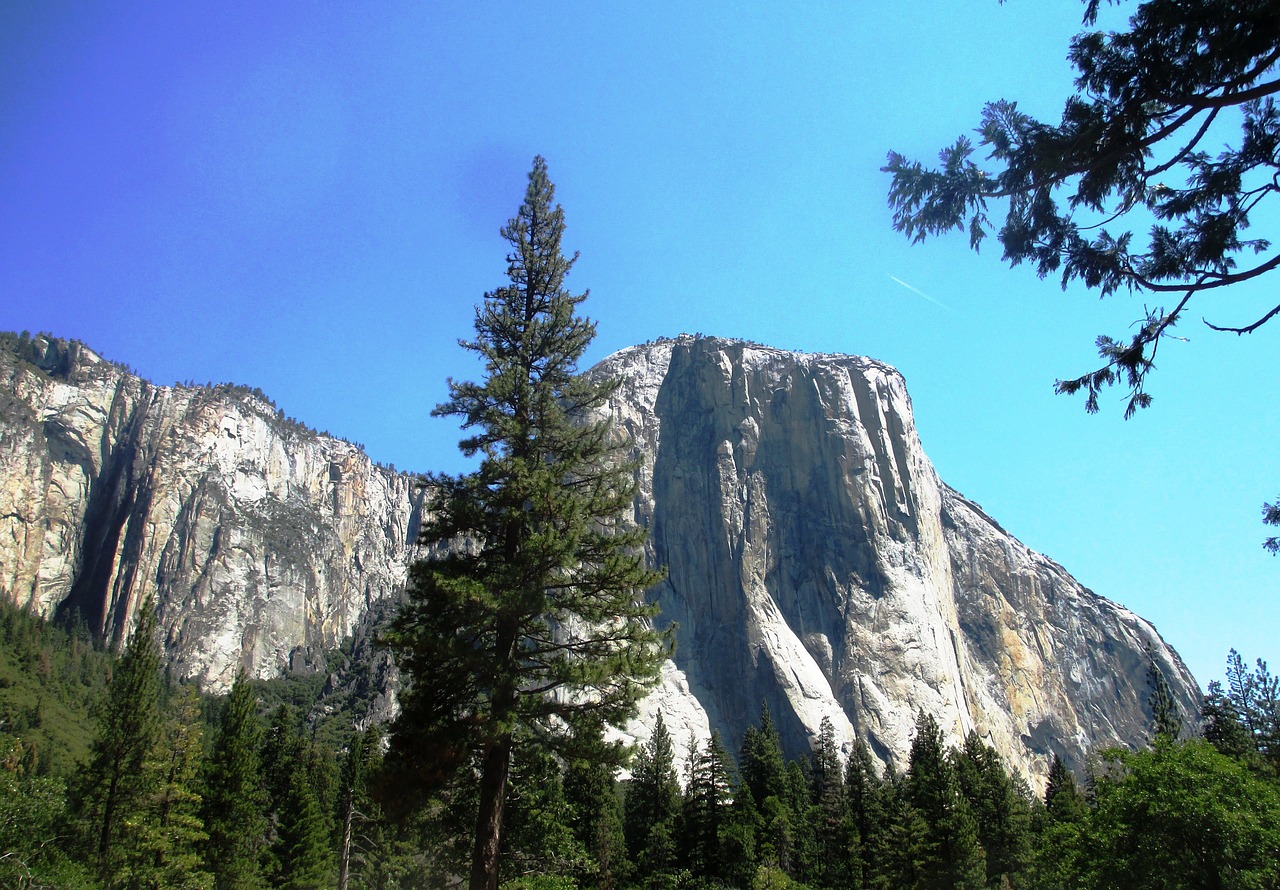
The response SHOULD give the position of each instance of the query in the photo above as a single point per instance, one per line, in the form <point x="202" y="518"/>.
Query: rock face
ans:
<point x="815" y="561"/>
<point x="262" y="542"/>
<point x="817" y="564"/>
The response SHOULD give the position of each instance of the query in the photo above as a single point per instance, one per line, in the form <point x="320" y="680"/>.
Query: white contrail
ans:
<point x="918" y="292"/>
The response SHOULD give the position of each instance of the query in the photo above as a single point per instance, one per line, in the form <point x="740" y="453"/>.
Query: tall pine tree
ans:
<point x="235" y="801"/>
<point x="1001" y="809"/>
<point x="115" y="784"/>
<point x="952" y="856"/>
<point x="166" y="853"/>
<point x="534" y="619"/>
<point x="358" y="813"/>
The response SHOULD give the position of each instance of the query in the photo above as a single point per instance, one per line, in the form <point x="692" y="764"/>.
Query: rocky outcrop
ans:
<point x="262" y="542"/>
<point x="815" y="561"/>
<point x="817" y="564"/>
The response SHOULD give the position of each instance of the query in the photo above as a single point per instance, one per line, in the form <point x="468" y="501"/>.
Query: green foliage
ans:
<point x="762" y="765"/>
<point x="361" y="839"/>
<point x="115" y="784"/>
<point x="1166" y="716"/>
<point x="950" y="854"/>
<point x="1254" y="698"/>
<point x="596" y="819"/>
<point x="1271" y="516"/>
<point x="1181" y="815"/>
<point x="537" y="622"/>
<point x="1001" y="809"/>
<point x="35" y="837"/>
<point x="235" y="801"/>
<point x="1131" y="148"/>
<point x="169" y="833"/>
<point x="51" y="681"/>
<point x="1063" y="800"/>
<point x="301" y="789"/>
<point x="705" y="809"/>
<point x="652" y="801"/>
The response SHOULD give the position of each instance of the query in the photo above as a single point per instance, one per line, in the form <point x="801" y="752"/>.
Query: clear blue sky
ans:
<point x="306" y="198"/>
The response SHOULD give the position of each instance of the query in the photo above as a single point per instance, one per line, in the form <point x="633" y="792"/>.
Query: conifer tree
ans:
<point x="358" y="813"/>
<point x="235" y="802"/>
<point x="1056" y="841"/>
<point x="536" y="621"/>
<point x="1166" y="716"/>
<point x="1001" y="812"/>
<point x="1062" y="796"/>
<point x="863" y="800"/>
<point x="952" y="855"/>
<point x="653" y="795"/>
<point x="1143" y="144"/>
<point x="1221" y="726"/>
<point x="898" y="853"/>
<point x="538" y="835"/>
<point x="764" y="769"/>
<point x="1255" y="699"/>
<point x="170" y="835"/>
<point x="705" y="808"/>
<point x="114" y="783"/>
<point x="834" y="836"/>
<point x="306" y="862"/>
<point x="596" y="819"/>
<point x="828" y="771"/>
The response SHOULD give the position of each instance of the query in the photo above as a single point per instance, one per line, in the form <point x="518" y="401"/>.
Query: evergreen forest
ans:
<point x="113" y="776"/>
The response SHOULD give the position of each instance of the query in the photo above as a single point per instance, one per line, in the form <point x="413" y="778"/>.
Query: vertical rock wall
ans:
<point x="258" y="538"/>
<point x="816" y="564"/>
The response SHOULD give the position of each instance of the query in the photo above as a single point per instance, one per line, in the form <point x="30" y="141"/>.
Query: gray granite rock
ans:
<point x="815" y="561"/>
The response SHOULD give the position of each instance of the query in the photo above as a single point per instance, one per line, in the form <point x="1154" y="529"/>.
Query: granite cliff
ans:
<point x="816" y="562"/>
<point x="263" y="542"/>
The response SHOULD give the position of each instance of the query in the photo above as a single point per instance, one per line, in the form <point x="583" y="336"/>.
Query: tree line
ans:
<point x="182" y="790"/>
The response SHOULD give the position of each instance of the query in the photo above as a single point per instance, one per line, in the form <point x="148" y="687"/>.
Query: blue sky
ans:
<point x="306" y="198"/>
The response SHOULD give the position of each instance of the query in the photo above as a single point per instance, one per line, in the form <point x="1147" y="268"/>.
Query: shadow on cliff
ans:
<point x="751" y="488"/>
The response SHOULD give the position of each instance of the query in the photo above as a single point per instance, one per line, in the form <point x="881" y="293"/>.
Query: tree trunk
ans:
<point x="344" y="860"/>
<point x="493" y="795"/>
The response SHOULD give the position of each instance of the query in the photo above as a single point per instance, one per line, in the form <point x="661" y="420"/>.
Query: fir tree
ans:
<point x="1166" y="716"/>
<point x="596" y="820"/>
<point x="776" y="840"/>
<point x="653" y="794"/>
<point x="538" y="834"/>
<point x="1255" y="699"/>
<point x="952" y="855"/>
<point x="34" y="843"/>
<point x="1062" y="796"/>
<point x="1057" y="830"/>
<point x="536" y="621"/>
<point x="863" y="802"/>
<point x="306" y="862"/>
<point x="764" y="770"/>
<point x="167" y="852"/>
<point x="835" y="839"/>
<point x="115" y="784"/>
<point x="898" y="853"/>
<point x="358" y="813"/>
<point x="1221" y="726"/>
<point x="705" y="808"/>
<point x="1000" y="808"/>
<point x="235" y="802"/>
